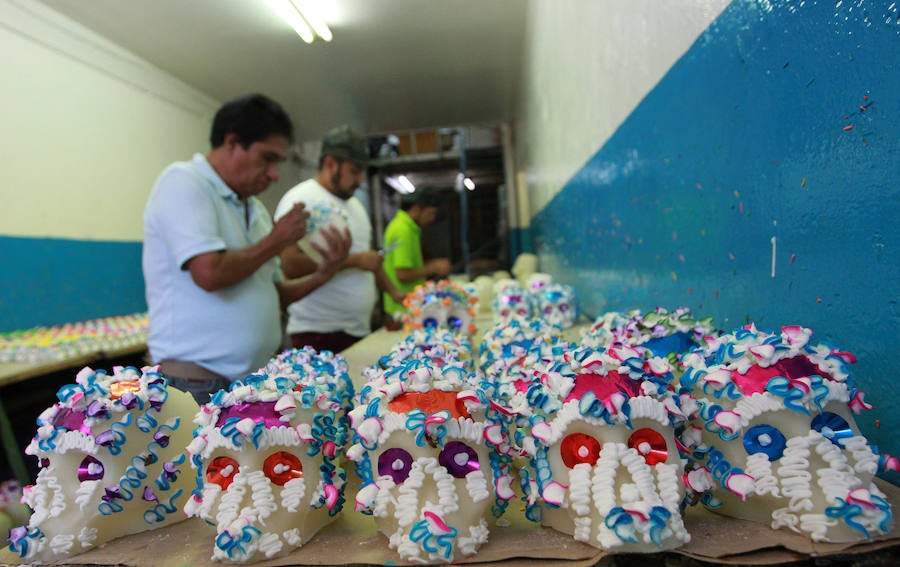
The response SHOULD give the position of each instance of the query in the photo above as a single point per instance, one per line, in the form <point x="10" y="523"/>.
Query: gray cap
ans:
<point x="343" y="142"/>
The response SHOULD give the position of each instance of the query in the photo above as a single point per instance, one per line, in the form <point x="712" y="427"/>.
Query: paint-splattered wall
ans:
<point x="758" y="181"/>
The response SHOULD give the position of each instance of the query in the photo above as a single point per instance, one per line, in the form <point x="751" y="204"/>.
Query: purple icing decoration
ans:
<point x="112" y="492"/>
<point x="104" y="438"/>
<point x="156" y="404"/>
<point x="258" y="411"/>
<point x="386" y="464"/>
<point x="17" y="533"/>
<point x="149" y="495"/>
<point x="170" y="471"/>
<point x="70" y="419"/>
<point x="129" y="400"/>
<point x="161" y="438"/>
<point x="96" y="409"/>
<point x="85" y="471"/>
<point x="45" y="462"/>
<point x="451" y="452"/>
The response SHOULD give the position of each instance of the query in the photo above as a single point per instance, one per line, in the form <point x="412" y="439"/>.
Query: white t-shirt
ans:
<point x="346" y="302"/>
<point x="232" y="331"/>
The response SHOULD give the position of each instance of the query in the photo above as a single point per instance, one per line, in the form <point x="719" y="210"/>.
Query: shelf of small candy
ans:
<point x="71" y="340"/>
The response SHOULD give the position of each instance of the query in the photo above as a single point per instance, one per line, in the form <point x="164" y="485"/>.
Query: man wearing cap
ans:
<point x="404" y="263"/>
<point x="339" y="313"/>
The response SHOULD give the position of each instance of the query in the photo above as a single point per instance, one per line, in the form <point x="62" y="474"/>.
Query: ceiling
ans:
<point x="393" y="65"/>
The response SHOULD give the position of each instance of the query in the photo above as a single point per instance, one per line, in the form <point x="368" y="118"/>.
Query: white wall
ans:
<point x="588" y="64"/>
<point x="86" y="128"/>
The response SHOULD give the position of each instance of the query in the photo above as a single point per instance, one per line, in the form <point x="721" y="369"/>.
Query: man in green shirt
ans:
<point x="403" y="261"/>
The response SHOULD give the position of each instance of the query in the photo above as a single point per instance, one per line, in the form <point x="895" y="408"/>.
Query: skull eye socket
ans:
<point x="459" y="459"/>
<point x="833" y="427"/>
<point x="564" y="307"/>
<point x="282" y="467"/>
<point x="454" y="322"/>
<point x="505" y="313"/>
<point x="221" y="471"/>
<point x="430" y="323"/>
<point x="765" y="439"/>
<point x="395" y="463"/>
<point x="548" y="310"/>
<point x="522" y="311"/>
<point x="650" y="444"/>
<point x="90" y="469"/>
<point x="577" y="448"/>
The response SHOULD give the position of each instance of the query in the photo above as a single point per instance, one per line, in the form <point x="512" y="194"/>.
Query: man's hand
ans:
<point x="438" y="266"/>
<point x="335" y="254"/>
<point x="292" y="226"/>
<point x="398" y="296"/>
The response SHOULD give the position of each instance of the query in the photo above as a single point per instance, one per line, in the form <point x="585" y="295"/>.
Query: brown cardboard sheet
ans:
<point x="353" y="539"/>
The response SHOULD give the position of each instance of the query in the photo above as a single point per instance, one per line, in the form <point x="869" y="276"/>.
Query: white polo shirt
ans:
<point x="231" y="331"/>
<point x="346" y="302"/>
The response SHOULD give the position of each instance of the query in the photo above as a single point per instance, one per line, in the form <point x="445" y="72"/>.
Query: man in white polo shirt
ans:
<point x="338" y="314"/>
<point x="213" y="280"/>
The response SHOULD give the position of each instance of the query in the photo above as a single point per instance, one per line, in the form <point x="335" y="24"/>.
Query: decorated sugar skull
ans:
<point x="439" y="345"/>
<point x="775" y="440"/>
<point x="511" y="301"/>
<point x="509" y="353"/>
<point x="112" y="455"/>
<point x="321" y="216"/>
<point x="268" y="456"/>
<point x="605" y="328"/>
<point x="664" y="333"/>
<point x="424" y="453"/>
<point x="555" y="303"/>
<point x="605" y="466"/>
<point x="439" y="304"/>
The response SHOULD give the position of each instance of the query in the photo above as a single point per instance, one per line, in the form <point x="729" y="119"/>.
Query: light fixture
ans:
<point x="303" y="17"/>
<point x="407" y="184"/>
<point x="470" y="185"/>
<point x="401" y="184"/>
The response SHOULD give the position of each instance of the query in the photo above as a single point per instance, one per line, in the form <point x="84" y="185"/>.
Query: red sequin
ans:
<point x="650" y="444"/>
<point x="221" y="471"/>
<point x="281" y="467"/>
<point x="577" y="448"/>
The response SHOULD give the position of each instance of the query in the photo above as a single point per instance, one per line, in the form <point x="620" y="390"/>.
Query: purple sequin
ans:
<point x="395" y="463"/>
<point x="90" y="469"/>
<point x="70" y="419"/>
<point x="258" y="411"/>
<point x="459" y="459"/>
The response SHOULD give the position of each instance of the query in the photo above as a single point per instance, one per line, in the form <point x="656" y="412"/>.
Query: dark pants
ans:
<point x="335" y="342"/>
<point x="193" y="379"/>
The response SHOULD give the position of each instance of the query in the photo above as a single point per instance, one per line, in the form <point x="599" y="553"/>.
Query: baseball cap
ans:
<point x="424" y="195"/>
<point x="344" y="142"/>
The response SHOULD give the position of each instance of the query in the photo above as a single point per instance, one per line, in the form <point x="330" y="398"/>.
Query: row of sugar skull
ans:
<point x="425" y="448"/>
<point x="439" y="304"/>
<point x="604" y="464"/>
<point x="663" y="333"/>
<point x="542" y="298"/>
<point x="775" y="441"/>
<point x="111" y="454"/>
<point x="268" y="456"/>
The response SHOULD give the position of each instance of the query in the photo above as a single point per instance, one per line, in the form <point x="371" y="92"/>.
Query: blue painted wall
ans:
<point x="748" y="138"/>
<point x="49" y="281"/>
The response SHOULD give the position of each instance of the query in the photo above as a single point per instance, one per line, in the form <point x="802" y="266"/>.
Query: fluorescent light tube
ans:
<point x="289" y="13"/>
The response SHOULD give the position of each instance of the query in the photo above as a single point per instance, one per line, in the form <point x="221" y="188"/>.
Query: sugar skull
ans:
<point x="775" y="440"/>
<point x="111" y="454"/>
<point x="268" y="456"/>
<point x="536" y="281"/>
<point x="436" y="344"/>
<point x="439" y="304"/>
<point x="423" y="451"/>
<point x="605" y="329"/>
<point x="511" y="301"/>
<point x="664" y="333"/>
<point x="605" y="466"/>
<point x="321" y="216"/>
<point x="555" y="303"/>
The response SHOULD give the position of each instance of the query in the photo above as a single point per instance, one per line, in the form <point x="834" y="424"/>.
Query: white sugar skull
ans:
<point x="434" y="344"/>
<point x="321" y="216"/>
<point x="605" y="466"/>
<point x="268" y="456"/>
<point x="112" y="455"/>
<point x="775" y="440"/>
<point x="425" y="455"/>
<point x="440" y="304"/>
<point x="511" y="301"/>
<point x="536" y="282"/>
<point x="555" y="304"/>
<point x="664" y="333"/>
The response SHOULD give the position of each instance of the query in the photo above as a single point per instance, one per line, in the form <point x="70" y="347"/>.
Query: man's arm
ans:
<point x="438" y="266"/>
<point x="216" y="270"/>
<point x="385" y="284"/>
